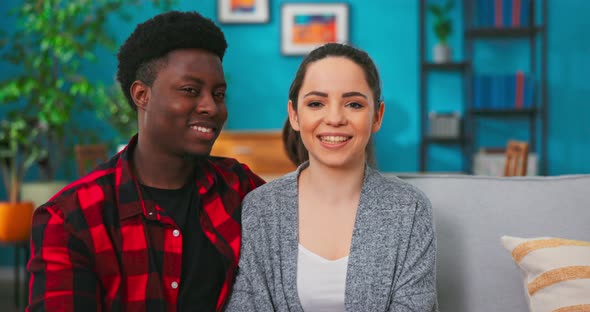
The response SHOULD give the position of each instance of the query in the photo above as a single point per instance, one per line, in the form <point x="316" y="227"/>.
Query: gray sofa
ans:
<point x="475" y="273"/>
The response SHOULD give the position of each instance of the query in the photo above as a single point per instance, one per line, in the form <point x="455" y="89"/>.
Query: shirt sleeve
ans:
<point x="62" y="278"/>
<point x="415" y="290"/>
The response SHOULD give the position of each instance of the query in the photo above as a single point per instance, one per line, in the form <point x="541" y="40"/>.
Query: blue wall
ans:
<point x="260" y="76"/>
<point x="569" y="90"/>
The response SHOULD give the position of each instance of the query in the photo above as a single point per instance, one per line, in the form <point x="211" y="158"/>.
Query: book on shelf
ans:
<point x="503" y="13"/>
<point x="503" y="92"/>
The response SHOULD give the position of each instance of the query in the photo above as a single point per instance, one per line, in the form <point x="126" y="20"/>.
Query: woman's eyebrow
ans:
<point x="318" y="93"/>
<point x="353" y="93"/>
<point x="344" y="95"/>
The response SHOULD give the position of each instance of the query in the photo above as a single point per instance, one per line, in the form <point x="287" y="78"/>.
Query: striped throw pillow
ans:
<point x="556" y="272"/>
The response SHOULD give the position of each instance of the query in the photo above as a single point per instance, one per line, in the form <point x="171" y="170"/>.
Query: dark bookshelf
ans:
<point x="445" y="141"/>
<point x="502" y="33"/>
<point x="452" y="66"/>
<point x="427" y="66"/>
<point x="536" y="35"/>
<point x="504" y="112"/>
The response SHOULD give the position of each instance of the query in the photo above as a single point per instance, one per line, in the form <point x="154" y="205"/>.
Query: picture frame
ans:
<point x="243" y="11"/>
<point x="305" y="26"/>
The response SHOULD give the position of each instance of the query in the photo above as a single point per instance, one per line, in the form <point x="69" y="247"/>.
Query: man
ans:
<point x="156" y="228"/>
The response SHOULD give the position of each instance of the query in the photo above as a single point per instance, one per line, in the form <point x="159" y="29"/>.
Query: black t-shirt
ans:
<point x="203" y="267"/>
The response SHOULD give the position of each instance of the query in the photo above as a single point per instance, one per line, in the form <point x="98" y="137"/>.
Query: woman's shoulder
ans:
<point x="272" y="196"/>
<point x="391" y="187"/>
<point x="282" y="186"/>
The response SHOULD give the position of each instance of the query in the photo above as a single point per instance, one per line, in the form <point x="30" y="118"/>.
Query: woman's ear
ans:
<point x="378" y="119"/>
<point x="140" y="93"/>
<point x="293" y="118"/>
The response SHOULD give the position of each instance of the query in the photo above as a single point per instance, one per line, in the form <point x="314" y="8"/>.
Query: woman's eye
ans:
<point x="355" y="105"/>
<point x="314" y="104"/>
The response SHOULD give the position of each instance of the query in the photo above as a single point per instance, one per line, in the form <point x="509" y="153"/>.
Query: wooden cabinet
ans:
<point x="262" y="151"/>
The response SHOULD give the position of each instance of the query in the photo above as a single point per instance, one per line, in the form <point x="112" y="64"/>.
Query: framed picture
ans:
<point x="305" y="26"/>
<point x="242" y="11"/>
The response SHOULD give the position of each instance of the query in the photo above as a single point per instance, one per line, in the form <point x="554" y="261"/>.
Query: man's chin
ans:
<point x="197" y="154"/>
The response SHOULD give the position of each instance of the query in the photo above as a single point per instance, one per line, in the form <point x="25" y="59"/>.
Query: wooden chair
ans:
<point x="517" y="154"/>
<point x="89" y="156"/>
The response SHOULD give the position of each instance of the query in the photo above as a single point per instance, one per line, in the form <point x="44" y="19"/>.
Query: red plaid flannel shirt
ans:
<point x="91" y="244"/>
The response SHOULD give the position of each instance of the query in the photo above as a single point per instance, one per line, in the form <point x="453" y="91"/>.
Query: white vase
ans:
<point x="442" y="53"/>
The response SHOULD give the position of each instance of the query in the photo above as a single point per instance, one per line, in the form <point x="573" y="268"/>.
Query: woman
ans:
<point x="335" y="235"/>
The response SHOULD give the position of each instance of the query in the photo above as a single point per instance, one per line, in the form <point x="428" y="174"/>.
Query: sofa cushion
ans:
<point x="471" y="213"/>
<point x="556" y="272"/>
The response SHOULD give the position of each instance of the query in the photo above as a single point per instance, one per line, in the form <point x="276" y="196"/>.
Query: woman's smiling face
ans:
<point x="336" y="112"/>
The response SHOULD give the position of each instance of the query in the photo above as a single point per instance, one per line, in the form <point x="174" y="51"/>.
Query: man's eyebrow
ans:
<point x="192" y="78"/>
<point x="202" y="82"/>
<point x="221" y="85"/>
<point x="353" y="93"/>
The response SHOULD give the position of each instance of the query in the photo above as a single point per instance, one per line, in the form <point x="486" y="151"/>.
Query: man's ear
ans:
<point x="378" y="119"/>
<point x="140" y="93"/>
<point x="293" y="118"/>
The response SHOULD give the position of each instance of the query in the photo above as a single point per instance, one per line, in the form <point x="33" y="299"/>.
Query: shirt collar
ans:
<point x="127" y="188"/>
<point x="128" y="193"/>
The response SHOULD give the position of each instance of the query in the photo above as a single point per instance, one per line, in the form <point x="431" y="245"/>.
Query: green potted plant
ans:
<point x="116" y="111"/>
<point x="50" y="46"/>
<point x="20" y="148"/>
<point x="442" y="27"/>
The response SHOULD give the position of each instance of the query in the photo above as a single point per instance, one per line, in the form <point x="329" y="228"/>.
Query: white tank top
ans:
<point x="320" y="282"/>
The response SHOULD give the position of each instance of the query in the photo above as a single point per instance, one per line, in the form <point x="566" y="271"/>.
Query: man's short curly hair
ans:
<point x="143" y="53"/>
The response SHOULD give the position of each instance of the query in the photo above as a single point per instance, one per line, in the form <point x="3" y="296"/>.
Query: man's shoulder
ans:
<point x="231" y="170"/>
<point x="226" y="164"/>
<point x="91" y="189"/>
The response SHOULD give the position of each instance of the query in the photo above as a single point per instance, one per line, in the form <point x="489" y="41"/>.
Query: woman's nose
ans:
<point x="335" y="116"/>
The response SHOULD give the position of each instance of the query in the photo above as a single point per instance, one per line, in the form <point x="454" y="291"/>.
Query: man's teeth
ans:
<point x="202" y="129"/>
<point x="333" y="139"/>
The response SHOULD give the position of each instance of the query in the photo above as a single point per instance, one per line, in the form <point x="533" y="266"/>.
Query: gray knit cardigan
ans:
<point x="391" y="264"/>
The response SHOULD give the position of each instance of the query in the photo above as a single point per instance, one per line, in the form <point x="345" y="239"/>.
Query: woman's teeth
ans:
<point x="333" y="139"/>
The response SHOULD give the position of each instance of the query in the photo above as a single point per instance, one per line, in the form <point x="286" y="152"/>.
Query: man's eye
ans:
<point x="219" y="95"/>
<point x="190" y="91"/>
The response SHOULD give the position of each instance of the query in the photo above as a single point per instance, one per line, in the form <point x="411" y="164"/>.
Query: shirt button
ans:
<point x="174" y="285"/>
<point x="176" y="233"/>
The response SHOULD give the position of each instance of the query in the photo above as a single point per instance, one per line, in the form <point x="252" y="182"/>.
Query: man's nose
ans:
<point x="207" y="105"/>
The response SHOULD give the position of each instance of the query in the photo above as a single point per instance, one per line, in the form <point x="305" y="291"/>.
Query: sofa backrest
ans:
<point x="474" y="271"/>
